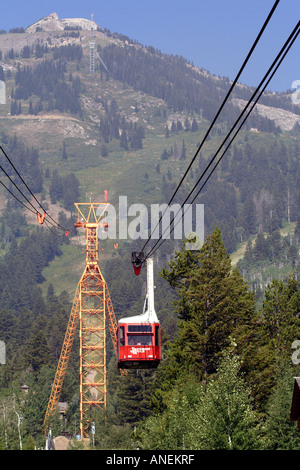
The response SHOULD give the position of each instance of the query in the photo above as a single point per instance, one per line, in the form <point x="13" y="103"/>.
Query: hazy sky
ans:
<point x="213" y="34"/>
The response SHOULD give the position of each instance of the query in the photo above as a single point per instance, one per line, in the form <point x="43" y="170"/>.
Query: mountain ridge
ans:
<point x="146" y="89"/>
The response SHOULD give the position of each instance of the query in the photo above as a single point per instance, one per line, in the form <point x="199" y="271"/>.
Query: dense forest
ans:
<point x="113" y="125"/>
<point x="47" y="81"/>
<point x="64" y="189"/>
<point x="265" y="188"/>
<point x="254" y="191"/>
<point x="225" y="381"/>
<point x="179" y="84"/>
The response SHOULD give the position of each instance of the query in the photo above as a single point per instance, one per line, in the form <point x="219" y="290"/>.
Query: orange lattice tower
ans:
<point x="92" y="307"/>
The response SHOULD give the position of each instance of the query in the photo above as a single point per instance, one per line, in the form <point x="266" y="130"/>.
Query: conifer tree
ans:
<point x="30" y="111"/>
<point x="183" y="151"/>
<point x="214" y="416"/>
<point x="29" y="444"/>
<point x="2" y="77"/>
<point x="38" y="352"/>
<point x="280" y="311"/>
<point x="194" y="126"/>
<point x="64" y="152"/>
<point x="224" y="418"/>
<point x="214" y="304"/>
<point x="281" y="432"/>
<point x="124" y="140"/>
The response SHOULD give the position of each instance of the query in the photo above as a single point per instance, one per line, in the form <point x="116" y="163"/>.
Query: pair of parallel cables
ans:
<point x="243" y="116"/>
<point x="41" y="217"/>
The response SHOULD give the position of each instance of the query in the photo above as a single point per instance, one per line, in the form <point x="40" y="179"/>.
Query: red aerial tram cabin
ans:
<point x="139" y="344"/>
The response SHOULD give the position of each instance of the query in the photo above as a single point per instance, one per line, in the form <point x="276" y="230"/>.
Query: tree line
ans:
<point x="47" y="81"/>
<point x="180" y="85"/>
<point x="114" y="125"/>
<point x="254" y="189"/>
<point x="63" y="189"/>
<point x="26" y="161"/>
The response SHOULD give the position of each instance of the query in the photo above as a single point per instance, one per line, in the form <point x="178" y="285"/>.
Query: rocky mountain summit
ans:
<point x="53" y="23"/>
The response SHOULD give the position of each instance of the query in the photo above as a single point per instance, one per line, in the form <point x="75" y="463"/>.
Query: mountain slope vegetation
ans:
<point x="132" y="128"/>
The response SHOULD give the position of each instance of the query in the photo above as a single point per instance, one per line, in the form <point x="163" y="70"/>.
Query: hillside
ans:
<point x="225" y="379"/>
<point x="133" y="126"/>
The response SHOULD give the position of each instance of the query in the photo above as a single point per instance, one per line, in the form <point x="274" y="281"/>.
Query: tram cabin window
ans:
<point x="140" y="328"/>
<point x="122" y="336"/>
<point x="136" y="340"/>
